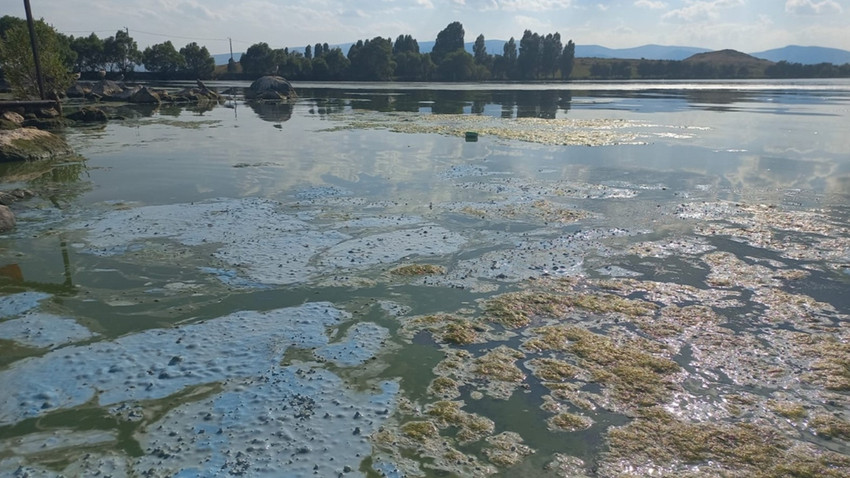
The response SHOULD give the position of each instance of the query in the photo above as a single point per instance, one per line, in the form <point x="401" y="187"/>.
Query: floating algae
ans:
<point x="563" y="132"/>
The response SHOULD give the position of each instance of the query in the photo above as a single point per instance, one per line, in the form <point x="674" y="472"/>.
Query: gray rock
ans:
<point x="270" y="88"/>
<point x="145" y="95"/>
<point x="29" y="144"/>
<point x="88" y="114"/>
<point x="7" y="219"/>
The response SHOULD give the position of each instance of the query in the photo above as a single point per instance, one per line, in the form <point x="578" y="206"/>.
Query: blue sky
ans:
<point x="744" y="25"/>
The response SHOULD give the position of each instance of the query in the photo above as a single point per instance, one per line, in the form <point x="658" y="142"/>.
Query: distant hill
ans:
<point x="806" y="55"/>
<point x="649" y="52"/>
<point x="728" y="57"/>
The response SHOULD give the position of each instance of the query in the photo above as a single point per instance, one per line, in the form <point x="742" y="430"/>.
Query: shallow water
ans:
<point x="218" y="289"/>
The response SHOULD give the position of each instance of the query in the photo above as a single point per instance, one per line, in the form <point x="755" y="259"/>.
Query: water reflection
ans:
<point x="272" y="112"/>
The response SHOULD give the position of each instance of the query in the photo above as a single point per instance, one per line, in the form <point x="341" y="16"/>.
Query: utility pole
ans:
<point x="34" y="49"/>
<point x="231" y="48"/>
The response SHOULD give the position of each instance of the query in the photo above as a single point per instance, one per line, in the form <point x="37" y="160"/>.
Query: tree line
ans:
<point x="614" y="69"/>
<point x="382" y="59"/>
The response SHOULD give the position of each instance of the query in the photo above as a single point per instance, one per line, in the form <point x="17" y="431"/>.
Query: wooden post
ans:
<point x="34" y="49"/>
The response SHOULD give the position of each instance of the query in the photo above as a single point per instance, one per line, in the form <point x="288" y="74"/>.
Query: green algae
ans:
<point x="552" y="370"/>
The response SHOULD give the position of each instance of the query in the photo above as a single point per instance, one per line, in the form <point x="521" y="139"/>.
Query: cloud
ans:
<point x="701" y="10"/>
<point x="651" y="4"/>
<point x="517" y="5"/>
<point x="812" y="7"/>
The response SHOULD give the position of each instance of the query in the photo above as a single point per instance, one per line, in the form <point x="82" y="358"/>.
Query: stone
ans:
<point x="29" y="144"/>
<point x="145" y="95"/>
<point x="270" y="88"/>
<point x="7" y="219"/>
<point x="88" y="114"/>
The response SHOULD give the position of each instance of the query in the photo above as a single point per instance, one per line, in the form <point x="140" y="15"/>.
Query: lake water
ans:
<point x="610" y="279"/>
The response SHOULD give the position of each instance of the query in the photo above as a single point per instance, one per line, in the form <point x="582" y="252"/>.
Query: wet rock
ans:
<point x="270" y="88"/>
<point x="145" y="95"/>
<point x="28" y="144"/>
<point x="11" y="120"/>
<point x="7" y="219"/>
<point x="88" y="114"/>
<point x="15" y="195"/>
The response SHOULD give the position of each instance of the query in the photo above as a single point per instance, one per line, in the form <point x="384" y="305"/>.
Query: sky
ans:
<point x="743" y="25"/>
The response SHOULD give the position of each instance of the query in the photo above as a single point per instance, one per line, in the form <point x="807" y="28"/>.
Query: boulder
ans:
<point x="10" y="120"/>
<point x="15" y="195"/>
<point x="88" y="114"/>
<point x="270" y="88"/>
<point x="106" y="88"/>
<point x="145" y="95"/>
<point x="7" y="219"/>
<point x="29" y="144"/>
<point x="77" y="90"/>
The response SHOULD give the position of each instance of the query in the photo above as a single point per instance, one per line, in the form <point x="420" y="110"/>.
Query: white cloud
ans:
<point x="602" y="7"/>
<point x="812" y="7"/>
<point x="700" y="10"/>
<point x="651" y="4"/>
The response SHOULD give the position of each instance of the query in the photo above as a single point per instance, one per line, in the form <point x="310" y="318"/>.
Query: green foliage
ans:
<point x="121" y="53"/>
<point x="90" y="53"/>
<point x="458" y="65"/>
<point x="372" y="60"/>
<point x="197" y="61"/>
<point x="529" y="60"/>
<point x="480" y="55"/>
<point x="450" y="39"/>
<point x="16" y="58"/>
<point x="162" y="58"/>
<point x="258" y="60"/>
<point x="567" y="59"/>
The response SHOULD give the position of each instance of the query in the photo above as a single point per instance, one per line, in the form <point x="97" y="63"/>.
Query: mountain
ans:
<point x="807" y="55"/>
<point x="729" y="57"/>
<point x="649" y="52"/>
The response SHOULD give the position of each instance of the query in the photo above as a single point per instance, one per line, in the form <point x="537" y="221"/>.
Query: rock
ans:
<point x="106" y="88"/>
<point x="77" y="90"/>
<point x="270" y="88"/>
<point x="12" y="117"/>
<point x="7" y="219"/>
<point x="88" y="114"/>
<point x="15" y="195"/>
<point x="29" y="144"/>
<point x="145" y="95"/>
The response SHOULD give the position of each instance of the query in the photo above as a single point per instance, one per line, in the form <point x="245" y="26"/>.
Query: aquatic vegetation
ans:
<point x="831" y="426"/>
<point x="569" y="422"/>
<point x="506" y="449"/>
<point x="500" y="364"/>
<point x="418" y="270"/>
<point x="658" y="441"/>
<point x="789" y="410"/>
<point x="446" y="328"/>
<point x="552" y="370"/>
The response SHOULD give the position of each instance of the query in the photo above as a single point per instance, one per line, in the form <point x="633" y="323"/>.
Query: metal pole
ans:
<point x="34" y="50"/>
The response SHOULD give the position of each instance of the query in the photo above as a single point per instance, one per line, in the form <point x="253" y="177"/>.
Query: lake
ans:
<point x="584" y="279"/>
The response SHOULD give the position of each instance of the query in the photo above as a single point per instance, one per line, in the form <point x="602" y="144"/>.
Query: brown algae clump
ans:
<point x="418" y="270"/>
<point x="831" y="426"/>
<point x="569" y="422"/>
<point x="500" y="364"/>
<point x="471" y="427"/>
<point x="789" y="410"/>
<point x="444" y="387"/>
<point x="446" y="328"/>
<point x="516" y="309"/>
<point x="660" y="443"/>
<point x="552" y="370"/>
<point x="419" y="430"/>
<point x="635" y="378"/>
<point x="506" y="449"/>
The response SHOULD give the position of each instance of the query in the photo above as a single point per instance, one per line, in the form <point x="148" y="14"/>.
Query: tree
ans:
<point x="448" y="40"/>
<point x="550" y="54"/>
<point x="479" y="52"/>
<point x="308" y="52"/>
<point x="509" y="59"/>
<point x="121" y="53"/>
<point x="19" y="67"/>
<point x="337" y="64"/>
<point x="371" y="60"/>
<point x="162" y="58"/>
<point x="90" y="53"/>
<point x="458" y="65"/>
<point x="198" y="61"/>
<point x="405" y="43"/>
<point x="529" y="55"/>
<point x="568" y="57"/>
<point x="258" y="60"/>
<point x="318" y="50"/>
